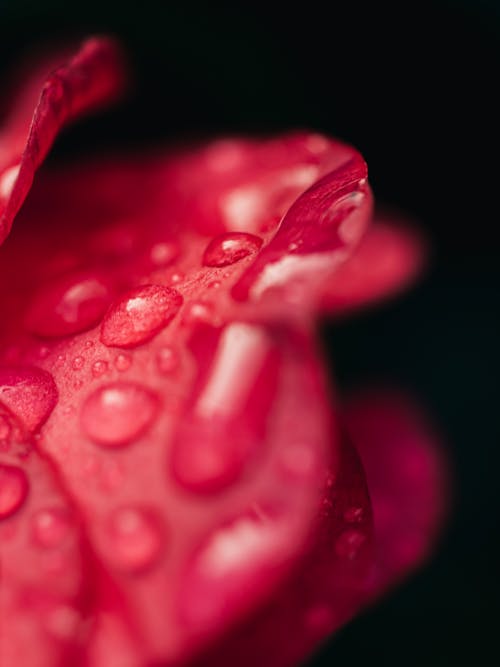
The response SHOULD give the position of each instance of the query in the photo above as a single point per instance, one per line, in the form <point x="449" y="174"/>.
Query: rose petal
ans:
<point x="407" y="479"/>
<point x="325" y="588"/>
<point x="388" y="259"/>
<point x="192" y="428"/>
<point x="46" y="584"/>
<point x="91" y="78"/>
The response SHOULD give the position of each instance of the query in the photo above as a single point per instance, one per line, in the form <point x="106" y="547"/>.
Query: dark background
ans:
<point x="412" y="85"/>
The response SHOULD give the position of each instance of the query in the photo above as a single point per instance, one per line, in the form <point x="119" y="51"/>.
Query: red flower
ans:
<point x="174" y="483"/>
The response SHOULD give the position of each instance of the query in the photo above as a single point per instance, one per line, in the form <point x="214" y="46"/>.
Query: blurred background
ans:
<point x="413" y="85"/>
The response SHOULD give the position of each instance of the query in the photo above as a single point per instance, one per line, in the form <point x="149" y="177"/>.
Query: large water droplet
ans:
<point x="29" y="392"/>
<point x="230" y="248"/>
<point x="13" y="489"/>
<point x="51" y="526"/>
<point x="232" y="565"/>
<point x="136" y="539"/>
<point x="226" y="423"/>
<point x="118" y="413"/>
<point x="139" y="315"/>
<point x="68" y="306"/>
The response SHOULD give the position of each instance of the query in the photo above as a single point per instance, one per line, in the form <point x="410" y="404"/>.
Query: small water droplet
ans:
<point x="78" y="363"/>
<point x="348" y="543"/>
<point x="68" y="305"/>
<point x="51" y="526"/>
<point x="99" y="367"/>
<point x="176" y="278"/>
<point x="164" y="253"/>
<point x="43" y="352"/>
<point x="136" y="539"/>
<point x="13" y="489"/>
<point x="29" y="392"/>
<point x="167" y="360"/>
<point x="123" y="362"/>
<point x="354" y="514"/>
<point x="229" y="248"/>
<point x="229" y="564"/>
<point x="139" y="315"/>
<point x="118" y="413"/>
<point x="198" y="311"/>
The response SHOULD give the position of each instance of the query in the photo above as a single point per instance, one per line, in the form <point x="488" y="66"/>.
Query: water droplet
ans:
<point x="164" y="253"/>
<point x="118" y="413"/>
<point x="69" y="305"/>
<point x="348" y="543"/>
<point x="167" y="360"/>
<point x="13" y="489"/>
<point x="139" y="315"/>
<point x="226" y="421"/>
<point x="230" y="248"/>
<point x="136" y="539"/>
<point x="176" y="277"/>
<point x="43" y="352"/>
<point x="231" y="566"/>
<point x="123" y="362"/>
<point x="198" y="311"/>
<point x="354" y="514"/>
<point x="99" y="367"/>
<point x="51" y="526"/>
<point x="78" y="363"/>
<point x="29" y="392"/>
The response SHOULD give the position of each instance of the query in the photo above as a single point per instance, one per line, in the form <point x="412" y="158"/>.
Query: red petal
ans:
<point x="326" y="587"/>
<point x="190" y="425"/>
<point x="407" y="479"/>
<point x="91" y="78"/>
<point x="389" y="258"/>
<point x="45" y="569"/>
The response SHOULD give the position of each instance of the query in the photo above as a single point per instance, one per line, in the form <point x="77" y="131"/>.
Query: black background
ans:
<point x="412" y="85"/>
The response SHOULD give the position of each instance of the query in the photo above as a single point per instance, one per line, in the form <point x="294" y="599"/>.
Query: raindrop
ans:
<point x="68" y="306"/>
<point x="51" y="526"/>
<point x="123" y="362"/>
<point x="349" y="543"/>
<point x="136" y="539"/>
<point x="118" y="413"/>
<point x="29" y="392"/>
<point x="139" y="315"/>
<point x="78" y="363"/>
<point x="99" y="367"/>
<point x="229" y="248"/>
<point x="167" y="360"/>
